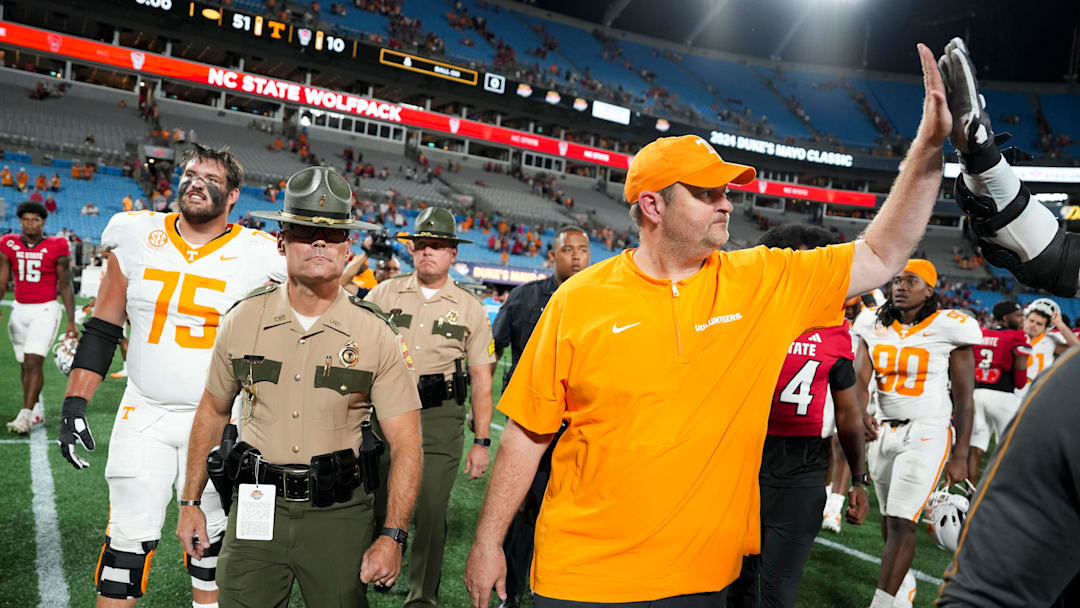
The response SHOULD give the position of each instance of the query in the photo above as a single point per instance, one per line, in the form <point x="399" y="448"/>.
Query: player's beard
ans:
<point x="200" y="214"/>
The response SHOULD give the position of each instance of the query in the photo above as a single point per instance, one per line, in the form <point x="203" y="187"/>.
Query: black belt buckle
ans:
<point x="296" y="486"/>
<point x="894" y="422"/>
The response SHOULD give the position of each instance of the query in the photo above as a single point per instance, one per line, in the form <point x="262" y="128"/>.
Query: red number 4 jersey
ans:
<point x="799" y="400"/>
<point x="34" y="268"/>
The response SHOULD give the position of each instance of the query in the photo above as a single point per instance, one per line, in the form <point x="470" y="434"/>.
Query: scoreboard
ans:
<point x="256" y="26"/>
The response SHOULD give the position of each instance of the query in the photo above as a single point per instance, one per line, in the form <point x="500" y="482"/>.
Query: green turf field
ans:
<point x="831" y="579"/>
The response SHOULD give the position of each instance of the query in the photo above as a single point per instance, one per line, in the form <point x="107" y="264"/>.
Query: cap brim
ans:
<point x="277" y="217"/>
<point x="429" y="235"/>
<point x="720" y="173"/>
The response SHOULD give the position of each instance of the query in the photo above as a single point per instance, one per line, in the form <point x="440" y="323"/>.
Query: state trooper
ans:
<point x="447" y="330"/>
<point x="313" y="364"/>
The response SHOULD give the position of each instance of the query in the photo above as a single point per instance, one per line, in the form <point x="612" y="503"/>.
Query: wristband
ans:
<point x="190" y="503"/>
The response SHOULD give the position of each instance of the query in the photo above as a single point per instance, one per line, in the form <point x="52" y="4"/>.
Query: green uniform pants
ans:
<point x="444" y="433"/>
<point x="322" y="548"/>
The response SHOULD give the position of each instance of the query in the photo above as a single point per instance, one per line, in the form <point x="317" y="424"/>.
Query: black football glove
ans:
<point x="73" y="427"/>
<point x="972" y="134"/>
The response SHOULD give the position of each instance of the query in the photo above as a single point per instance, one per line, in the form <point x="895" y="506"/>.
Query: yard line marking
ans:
<point x="14" y="441"/>
<point x="52" y="588"/>
<point x="497" y="426"/>
<point x="866" y="557"/>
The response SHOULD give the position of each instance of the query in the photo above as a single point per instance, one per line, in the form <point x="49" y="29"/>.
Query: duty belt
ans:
<point x="291" y="482"/>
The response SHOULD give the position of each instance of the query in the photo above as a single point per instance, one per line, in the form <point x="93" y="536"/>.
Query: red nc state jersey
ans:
<point x="799" y="399"/>
<point x="34" y="268"/>
<point x="995" y="355"/>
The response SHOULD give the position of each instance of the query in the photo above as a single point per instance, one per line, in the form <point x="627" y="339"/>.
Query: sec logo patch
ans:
<point x="157" y="238"/>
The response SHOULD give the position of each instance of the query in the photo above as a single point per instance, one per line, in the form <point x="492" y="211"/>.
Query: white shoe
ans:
<point x="831" y="519"/>
<point x="21" y="424"/>
<point x="37" y="415"/>
<point x="120" y="374"/>
<point x="905" y="595"/>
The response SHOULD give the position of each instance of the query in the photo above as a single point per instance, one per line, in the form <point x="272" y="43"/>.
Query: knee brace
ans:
<point x="122" y="574"/>
<point x="1055" y="269"/>
<point x="203" y="570"/>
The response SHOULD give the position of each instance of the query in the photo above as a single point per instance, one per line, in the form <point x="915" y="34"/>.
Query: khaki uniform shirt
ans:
<point x="438" y="331"/>
<point x="306" y="392"/>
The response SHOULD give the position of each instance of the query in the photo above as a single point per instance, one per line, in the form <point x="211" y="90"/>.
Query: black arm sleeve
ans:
<point x="842" y="375"/>
<point x="97" y="345"/>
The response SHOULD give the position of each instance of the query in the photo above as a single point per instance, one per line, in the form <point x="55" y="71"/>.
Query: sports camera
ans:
<point x="382" y="246"/>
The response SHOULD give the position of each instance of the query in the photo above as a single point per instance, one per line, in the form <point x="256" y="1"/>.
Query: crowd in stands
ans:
<point x="44" y="91"/>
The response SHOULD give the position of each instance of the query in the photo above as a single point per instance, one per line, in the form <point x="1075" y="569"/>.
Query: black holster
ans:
<point x="371" y="447"/>
<point x="432" y="389"/>
<point x="460" y="381"/>
<point x="240" y="461"/>
<point x="216" y="469"/>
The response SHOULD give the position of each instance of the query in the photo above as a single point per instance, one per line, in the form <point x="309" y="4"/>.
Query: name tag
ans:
<point x="255" y="512"/>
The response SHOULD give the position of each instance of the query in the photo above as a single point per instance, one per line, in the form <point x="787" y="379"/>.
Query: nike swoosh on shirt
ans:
<point x="615" y="329"/>
<point x="925" y="438"/>
<point x="227" y="258"/>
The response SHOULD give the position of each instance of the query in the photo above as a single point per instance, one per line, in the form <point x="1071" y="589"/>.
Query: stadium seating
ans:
<point x="1060" y="110"/>
<point x="831" y="109"/>
<point x="684" y="88"/>
<point x="432" y="14"/>
<point x="62" y="124"/>
<point x="249" y="145"/>
<point x="586" y="52"/>
<point x="1026" y="133"/>
<point x="739" y="88"/>
<point x="105" y="191"/>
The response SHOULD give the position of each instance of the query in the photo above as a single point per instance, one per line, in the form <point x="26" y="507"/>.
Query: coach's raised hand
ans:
<point x="937" y="121"/>
<point x="74" y="427"/>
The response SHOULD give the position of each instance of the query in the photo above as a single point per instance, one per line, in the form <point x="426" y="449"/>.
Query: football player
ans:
<point x="796" y="453"/>
<point x="837" y="478"/>
<point x="914" y="349"/>
<point x="1048" y="335"/>
<point x="1000" y="369"/>
<point x="172" y="275"/>
<point x="42" y="266"/>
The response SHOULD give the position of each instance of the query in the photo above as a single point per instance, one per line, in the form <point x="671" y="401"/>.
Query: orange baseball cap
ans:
<point x="688" y="159"/>
<point x="924" y="269"/>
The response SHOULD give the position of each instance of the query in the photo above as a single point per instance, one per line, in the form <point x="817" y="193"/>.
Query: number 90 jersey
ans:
<point x="911" y="364"/>
<point x="176" y="295"/>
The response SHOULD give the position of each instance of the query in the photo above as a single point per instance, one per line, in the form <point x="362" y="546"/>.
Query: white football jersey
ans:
<point x="176" y="295"/>
<point x="911" y="364"/>
<point x="1041" y="357"/>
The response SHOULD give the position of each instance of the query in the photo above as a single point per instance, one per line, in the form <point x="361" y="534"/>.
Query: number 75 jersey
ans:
<point x="176" y="296"/>
<point x="911" y="364"/>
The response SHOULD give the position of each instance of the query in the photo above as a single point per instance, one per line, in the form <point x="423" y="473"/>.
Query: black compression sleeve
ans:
<point x="97" y="345"/>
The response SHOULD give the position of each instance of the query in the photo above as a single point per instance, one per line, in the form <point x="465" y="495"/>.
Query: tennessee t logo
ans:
<point x="707" y="146"/>
<point x="127" y="410"/>
<point x="192" y="254"/>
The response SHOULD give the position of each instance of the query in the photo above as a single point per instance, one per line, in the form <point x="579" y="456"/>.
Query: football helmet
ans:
<point x="945" y="515"/>
<point x="1045" y="306"/>
<point x="64" y="354"/>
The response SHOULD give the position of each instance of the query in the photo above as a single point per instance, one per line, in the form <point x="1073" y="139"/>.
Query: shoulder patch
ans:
<point x="374" y="309"/>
